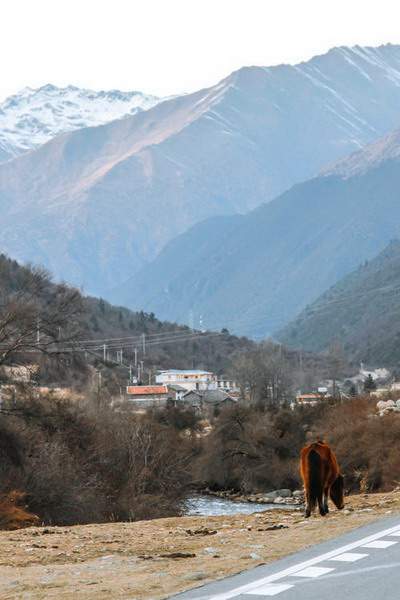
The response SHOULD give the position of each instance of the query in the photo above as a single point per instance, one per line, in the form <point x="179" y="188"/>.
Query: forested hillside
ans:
<point x="91" y="323"/>
<point x="362" y="312"/>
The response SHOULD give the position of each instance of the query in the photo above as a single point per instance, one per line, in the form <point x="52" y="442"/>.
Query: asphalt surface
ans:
<point x="361" y="565"/>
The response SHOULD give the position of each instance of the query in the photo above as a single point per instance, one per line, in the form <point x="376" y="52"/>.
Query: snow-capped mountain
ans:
<point x="32" y="117"/>
<point x="96" y="205"/>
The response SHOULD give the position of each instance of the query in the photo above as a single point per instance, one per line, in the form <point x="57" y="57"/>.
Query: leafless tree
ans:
<point x="38" y="317"/>
<point x="263" y="375"/>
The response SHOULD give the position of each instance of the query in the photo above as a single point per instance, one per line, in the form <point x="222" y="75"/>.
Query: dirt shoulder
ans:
<point x="136" y="561"/>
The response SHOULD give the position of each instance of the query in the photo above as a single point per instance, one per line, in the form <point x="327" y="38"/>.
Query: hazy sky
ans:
<point x="171" y="46"/>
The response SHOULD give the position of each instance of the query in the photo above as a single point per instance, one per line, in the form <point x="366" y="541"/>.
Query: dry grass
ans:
<point x="125" y="560"/>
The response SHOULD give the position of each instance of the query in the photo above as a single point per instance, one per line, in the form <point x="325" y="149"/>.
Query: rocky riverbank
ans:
<point x="282" y="496"/>
<point x="151" y="560"/>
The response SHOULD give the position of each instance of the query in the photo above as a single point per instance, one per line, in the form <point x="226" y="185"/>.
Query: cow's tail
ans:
<point x="315" y="477"/>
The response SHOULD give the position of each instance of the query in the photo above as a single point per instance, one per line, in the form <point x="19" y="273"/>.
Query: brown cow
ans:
<point x="320" y="472"/>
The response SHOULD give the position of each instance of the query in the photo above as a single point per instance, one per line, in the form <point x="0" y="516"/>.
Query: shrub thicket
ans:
<point x="250" y="450"/>
<point x="77" y="465"/>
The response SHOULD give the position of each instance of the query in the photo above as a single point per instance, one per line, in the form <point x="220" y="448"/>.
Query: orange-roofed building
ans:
<point x="146" y="396"/>
<point x="310" y="399"/>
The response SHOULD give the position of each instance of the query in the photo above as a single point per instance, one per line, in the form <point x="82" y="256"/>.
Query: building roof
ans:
<point x="210" y="396"/>
<point x="217" y="396"/>
<point x="185" y="372"/>
<point x="175" y="387"/>
<point x="146" y="390"/>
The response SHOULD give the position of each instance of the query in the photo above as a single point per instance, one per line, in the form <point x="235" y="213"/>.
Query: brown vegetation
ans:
<point x="253" y="450"/>
<point x="12" y="515"/>
<point x="78" y="465"/>
<point x="367" y="446"/>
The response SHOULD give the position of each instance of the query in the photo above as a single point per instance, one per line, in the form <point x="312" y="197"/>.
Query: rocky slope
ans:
<point x="362" y="311"/>
<point x="32" y="117"/>
<point x="97" y="204"/>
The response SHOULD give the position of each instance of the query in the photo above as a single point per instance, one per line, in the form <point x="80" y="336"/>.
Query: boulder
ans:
<point x="278" y="500"/>
<point x="285" y="493"/>
<point x="298" y="493"/>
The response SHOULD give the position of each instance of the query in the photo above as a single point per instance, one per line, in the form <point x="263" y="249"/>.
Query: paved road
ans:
<point x="361" y="565"/>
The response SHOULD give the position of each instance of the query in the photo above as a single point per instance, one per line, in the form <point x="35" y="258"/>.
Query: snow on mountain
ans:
<point x="97" y="205"/>
<point x="32" y="117"/>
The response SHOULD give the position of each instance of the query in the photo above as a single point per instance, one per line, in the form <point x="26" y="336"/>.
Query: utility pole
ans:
<point x="120" y="356"/>
<point x="104" y="353"/>
<point x="141" y="370"/>
<point x="135" y="351"/>
<point x="144" y="343"/>
<point x="130" y="373"/>
<point x="98" y="387"/>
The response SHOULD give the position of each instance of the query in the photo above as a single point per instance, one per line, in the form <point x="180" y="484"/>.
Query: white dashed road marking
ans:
<point x="270" y="589"/>
<point x="313" y="572"/>
<point x="379" y="544"/>
<point x="308" y="566"/>
<point x="349" y="557"/>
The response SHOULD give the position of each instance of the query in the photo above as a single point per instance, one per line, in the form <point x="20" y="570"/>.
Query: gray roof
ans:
<point x="176" y="388"/>
<point x="185" y="372"/>
<point x="217" y="396"/>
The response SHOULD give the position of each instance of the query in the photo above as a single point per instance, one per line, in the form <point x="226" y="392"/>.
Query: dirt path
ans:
<point x="135" y="561"/>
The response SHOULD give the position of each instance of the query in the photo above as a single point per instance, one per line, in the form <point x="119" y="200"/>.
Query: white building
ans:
<point x="227" y="385"/>
<point x="189" y="379"/>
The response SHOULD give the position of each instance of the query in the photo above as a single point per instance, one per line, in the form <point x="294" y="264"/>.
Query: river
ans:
<point x="212" y="506"/>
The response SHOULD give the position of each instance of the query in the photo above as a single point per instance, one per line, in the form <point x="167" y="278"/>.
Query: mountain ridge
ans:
<point x="98" y="204"/>
<point x="256" y="274"/>
<point x="361" y="312"/>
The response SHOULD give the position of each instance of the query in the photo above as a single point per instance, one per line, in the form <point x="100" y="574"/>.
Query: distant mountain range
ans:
<point x="254" y="273"/>
<point x="361" y="312"/>
<point x="98" y="204"/>
<point x="34" y="116"/>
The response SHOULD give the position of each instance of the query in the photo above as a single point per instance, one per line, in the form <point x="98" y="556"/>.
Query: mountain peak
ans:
<point x="33" y="116"/>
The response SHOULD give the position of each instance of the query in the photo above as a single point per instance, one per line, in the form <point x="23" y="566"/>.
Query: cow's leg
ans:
<point x="308" y="506"/>
<point x="326" y="496"/>
<point x="321" y="506"/>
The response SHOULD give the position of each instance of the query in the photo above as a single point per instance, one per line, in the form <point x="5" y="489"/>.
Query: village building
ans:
<point x="206" y="402"/>
<point x="227" y="385"/>
<point x="188" y="379"/>
<point x="309" y="399"/>
<point x="147" y="396"/>
<point x="176" y="392"/>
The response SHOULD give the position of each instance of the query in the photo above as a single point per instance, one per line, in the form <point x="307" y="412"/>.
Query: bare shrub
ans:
<point x="252" y="450"/>
<point x="77" y="465"/>
<point x="366" y="445"/>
